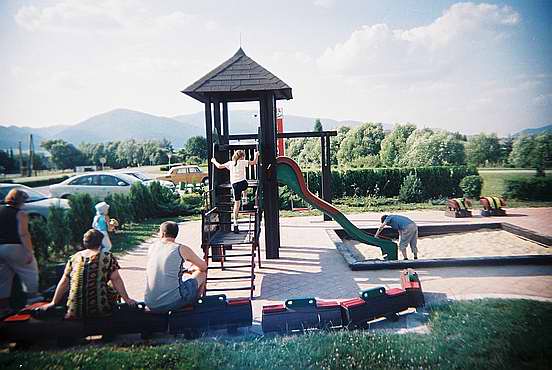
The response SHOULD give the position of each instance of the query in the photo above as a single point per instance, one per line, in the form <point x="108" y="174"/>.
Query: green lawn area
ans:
<point x="477" y="334"/>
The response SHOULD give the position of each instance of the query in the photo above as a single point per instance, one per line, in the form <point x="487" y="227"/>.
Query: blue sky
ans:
<point x="470" y="67"/>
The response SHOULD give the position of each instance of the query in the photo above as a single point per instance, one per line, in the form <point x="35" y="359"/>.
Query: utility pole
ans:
<point x="20" y="160"/>
<point x="31" y="155"/>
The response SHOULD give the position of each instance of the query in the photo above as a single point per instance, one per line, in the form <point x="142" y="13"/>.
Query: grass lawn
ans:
<point x="477" y="334"/>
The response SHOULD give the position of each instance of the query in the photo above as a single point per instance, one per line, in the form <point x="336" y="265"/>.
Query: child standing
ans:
<point x="237" y="167"/>
<point x="102" y="224"/>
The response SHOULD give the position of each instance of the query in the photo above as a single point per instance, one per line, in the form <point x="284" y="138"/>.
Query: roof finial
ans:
<point x="240" y="39"/>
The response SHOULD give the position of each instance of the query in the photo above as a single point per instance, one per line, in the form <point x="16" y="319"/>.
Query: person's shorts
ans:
<point x="238" y="188"/>
<point x="188" y="294"/>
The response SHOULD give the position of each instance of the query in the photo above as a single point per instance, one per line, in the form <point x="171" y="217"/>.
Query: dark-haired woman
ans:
<point x="237" y="167"/>
<point x="16" y="248"/>
<point x="87" y="275"/>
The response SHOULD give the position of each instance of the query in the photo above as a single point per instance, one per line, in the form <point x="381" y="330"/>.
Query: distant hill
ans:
<point x="124" y="124"/>
<point x="244" y="122"/>
<point x="535" y="131"/>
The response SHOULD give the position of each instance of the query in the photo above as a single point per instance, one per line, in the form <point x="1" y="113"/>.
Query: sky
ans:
<point x="468" y="67"/>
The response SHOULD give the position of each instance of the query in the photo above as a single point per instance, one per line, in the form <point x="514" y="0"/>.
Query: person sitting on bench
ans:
<point x="86" y="276"/>
<point x="168" y="284"/>
<point x="408" y="232"/>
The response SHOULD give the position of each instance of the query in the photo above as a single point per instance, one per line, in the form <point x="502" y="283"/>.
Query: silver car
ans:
<point x="146" y="179"/>
<point x="97" y="184"/>
<point x="38" y="204"/>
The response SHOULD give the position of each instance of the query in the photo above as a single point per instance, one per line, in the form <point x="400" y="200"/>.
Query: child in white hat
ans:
<point x="102" y="224"/>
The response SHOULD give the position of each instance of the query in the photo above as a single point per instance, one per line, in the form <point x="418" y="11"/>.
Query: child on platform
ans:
<point x="237" y="167"/>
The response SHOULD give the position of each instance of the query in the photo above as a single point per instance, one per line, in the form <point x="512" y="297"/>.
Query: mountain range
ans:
<point x="124" y="124"/>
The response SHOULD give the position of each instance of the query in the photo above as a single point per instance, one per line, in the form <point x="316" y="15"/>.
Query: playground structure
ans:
<point x="33" y="325"/>
<point x="309" y="313"/>
<point x="241" y="79"/>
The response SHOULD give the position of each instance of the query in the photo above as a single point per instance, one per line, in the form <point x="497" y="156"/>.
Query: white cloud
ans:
<point x="105" y="16"/>
<point x="417" y="52"/>
<point x="324" y="3"/>
<point x="73" y="15"/>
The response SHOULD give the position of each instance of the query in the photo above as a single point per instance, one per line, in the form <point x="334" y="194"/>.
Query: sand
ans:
<point x="472" y="244"/>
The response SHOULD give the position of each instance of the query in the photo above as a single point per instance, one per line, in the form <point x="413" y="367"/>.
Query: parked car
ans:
<point x="97" y="184"/>
<point x="38" y="204"/>
<point x="146" y="179"/>
<point x="187" y="174"/>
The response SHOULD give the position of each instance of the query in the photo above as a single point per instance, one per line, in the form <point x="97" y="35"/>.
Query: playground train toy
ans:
<point x="458" y="208"/>
<point x="309" y="313"/>
<point x="492" y="206"/>
<point x="33" y="325"/>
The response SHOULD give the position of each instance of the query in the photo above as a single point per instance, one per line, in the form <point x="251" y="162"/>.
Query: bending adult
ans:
<point x="237" y="167"/>
<point x="87" y="274"/>
<point x="169" y="285"/>
<point x="408" y="232"/>
<point x="16" y="248"/>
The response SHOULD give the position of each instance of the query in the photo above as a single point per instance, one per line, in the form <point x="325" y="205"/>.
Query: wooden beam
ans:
<point x="286" y="135"/>
<point x="209" y="136"/>
<point x="268" y="178"/>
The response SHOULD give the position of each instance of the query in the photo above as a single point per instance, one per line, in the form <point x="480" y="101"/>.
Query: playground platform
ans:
<point x="310" y="266"/>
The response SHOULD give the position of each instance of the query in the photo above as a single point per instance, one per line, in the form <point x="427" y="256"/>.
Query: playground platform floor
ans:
<point x="309" y="265"/>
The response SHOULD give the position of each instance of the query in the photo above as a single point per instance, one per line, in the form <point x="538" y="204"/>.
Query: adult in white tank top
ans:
<point x="237" y="167"/>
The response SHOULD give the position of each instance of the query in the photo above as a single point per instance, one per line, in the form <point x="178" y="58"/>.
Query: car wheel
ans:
<point x="205" y="181"/>
<point x="65" y="196"/>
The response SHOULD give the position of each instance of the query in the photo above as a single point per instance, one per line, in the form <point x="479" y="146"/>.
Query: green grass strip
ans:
<point x="478" y="334"/>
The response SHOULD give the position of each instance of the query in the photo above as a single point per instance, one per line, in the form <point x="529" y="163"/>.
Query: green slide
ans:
<point x="290" y="174"/>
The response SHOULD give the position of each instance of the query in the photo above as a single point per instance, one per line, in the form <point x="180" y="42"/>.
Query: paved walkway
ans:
<point x="309" y="265"/>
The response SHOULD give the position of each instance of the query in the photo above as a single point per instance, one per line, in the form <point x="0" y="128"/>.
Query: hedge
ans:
<point x="529" y="188"/>
<point x="437" y="181"/>
<point x="33" y="183"/>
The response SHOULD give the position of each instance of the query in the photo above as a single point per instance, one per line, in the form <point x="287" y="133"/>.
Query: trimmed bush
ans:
<point x="80" y="216"/>
<point x="411" y="190"/>
<point x="529" y="188"/>
<point x="57" y="226"/>
<point x="471" y="186"/>
<point x="39" y="237"/>
<point x="120" y="208"/>
<point x="191" y="203"/>
<point x="438" y="181"/>
<point x="141" y="202"/>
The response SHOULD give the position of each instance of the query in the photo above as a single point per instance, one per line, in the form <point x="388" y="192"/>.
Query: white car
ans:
<point x="146" y="179"/>
<point x="37" y="204"/>
<point x="97" y="184"/>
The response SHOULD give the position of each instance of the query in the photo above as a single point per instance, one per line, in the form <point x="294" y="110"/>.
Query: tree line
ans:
<point x="368" y="145"/>
<point x="117" y="154"/>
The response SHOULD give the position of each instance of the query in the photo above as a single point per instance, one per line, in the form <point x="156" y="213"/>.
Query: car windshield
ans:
<point x="33" y="194"/>
<point x="139" y="175"/>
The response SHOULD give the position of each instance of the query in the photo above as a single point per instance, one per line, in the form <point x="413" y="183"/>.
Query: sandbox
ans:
<point x="453" y="245"/>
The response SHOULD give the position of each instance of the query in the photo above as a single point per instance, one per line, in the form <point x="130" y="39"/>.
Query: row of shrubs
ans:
<point x="436" y="181"/>
<point x="33" y="183"/>
<point x="529" y="188"/>
<point x="62" y="232"/>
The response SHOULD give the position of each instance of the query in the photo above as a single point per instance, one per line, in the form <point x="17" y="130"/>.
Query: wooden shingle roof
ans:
<point x="238" y="79"/>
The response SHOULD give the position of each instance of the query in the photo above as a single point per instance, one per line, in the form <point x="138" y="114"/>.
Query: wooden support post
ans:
<point x="223" y="156"/>
<point x="209" y="135"/>
<point x="326" y="173"/>
<point x="269" y="179"/>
